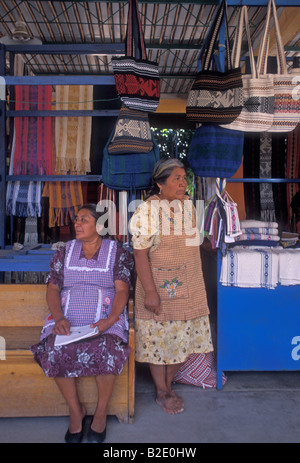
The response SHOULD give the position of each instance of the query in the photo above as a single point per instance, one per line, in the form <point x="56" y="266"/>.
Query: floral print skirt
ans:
<point x="104" y="354"/>
<point x="171" y="342"/>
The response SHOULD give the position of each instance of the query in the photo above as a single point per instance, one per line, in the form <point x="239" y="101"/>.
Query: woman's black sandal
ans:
<point x="75" y="437"/>
<point x="96" y="437"/>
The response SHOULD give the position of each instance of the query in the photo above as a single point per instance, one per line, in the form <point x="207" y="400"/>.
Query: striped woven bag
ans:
<point x="132" y="133"/>
<point x="257" y="114"/>
<point x="137" y="79"/>
<point x="215" y="97"/>
<point x="286" y="100"/>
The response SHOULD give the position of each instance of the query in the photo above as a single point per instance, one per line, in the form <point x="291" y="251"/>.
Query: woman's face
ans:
<point x="175" y="185"/>
<point x="85" y="225"/>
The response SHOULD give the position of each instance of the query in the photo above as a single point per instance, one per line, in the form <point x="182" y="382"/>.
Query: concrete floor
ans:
<point x="252" y="407"/>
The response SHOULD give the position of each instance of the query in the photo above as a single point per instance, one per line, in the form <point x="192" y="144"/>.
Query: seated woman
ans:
<point x="88" y="284"/>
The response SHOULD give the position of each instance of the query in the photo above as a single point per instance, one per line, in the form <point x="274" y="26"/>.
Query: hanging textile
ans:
<point x="23" y="199"/>
<point x="251" y="170"/>
<point x="115" y="200"/>
<point x="279" y="171"/>
<point x="265" y="171"/>
<point x="65" y="198"/>
<point x="31" y="232"/>
<point x="32" y="153"/>
<point x="73" y="134"/>
<point x="292" y="167"/>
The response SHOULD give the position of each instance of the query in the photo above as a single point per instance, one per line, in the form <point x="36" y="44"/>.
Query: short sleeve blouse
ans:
<point x="145" y="228"/>
<point x="123" y="266"/>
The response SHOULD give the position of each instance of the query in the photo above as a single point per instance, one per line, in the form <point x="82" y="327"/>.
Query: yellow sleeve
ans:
<point x="144" y="226"/>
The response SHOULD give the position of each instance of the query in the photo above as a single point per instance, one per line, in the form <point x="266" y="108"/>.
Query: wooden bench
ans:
<point x="25" y="390"/>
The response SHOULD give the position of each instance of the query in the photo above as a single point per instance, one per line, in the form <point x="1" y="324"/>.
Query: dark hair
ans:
<point x="93" y="210"/>
<point x="162" y="171"/>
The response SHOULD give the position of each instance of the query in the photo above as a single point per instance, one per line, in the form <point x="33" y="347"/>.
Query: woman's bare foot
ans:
<point x="169" y="403"/>
<point x="76" y="417"/>
<point x="177" y="397"/>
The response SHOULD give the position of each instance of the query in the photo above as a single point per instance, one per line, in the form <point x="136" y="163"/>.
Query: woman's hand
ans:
<point x="103" y="324"/>
<point x="62" y="326"/>
<point x="152" y="302"/>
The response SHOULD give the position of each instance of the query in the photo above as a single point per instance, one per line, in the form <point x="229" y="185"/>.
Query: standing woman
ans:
<point x="170" y="299"/>
<point x="88" y="284"/>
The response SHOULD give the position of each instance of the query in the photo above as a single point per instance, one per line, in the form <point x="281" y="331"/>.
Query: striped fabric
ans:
<point x="73" y="134"/>
<point x="199" y="370"/>
<point x="292" y="168"/>
<point x="64" y="200"/>
<point x="137" y="79"/>
<point x="137" y="83"/>
<point x="250" y="268"/>
<point x="215" y="97"/>
<point x="32" y="148"/>
<point x="258" y="91"/>
<point x="257" y="236"/>
<point x="286" y="102"/>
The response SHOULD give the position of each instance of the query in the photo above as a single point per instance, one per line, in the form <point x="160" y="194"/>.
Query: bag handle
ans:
<point x="243" y="21"/>
<point x="134" y="43"/>
<point x="264" y="49"/>
<point x="206" y="52"/>
<point x="211" y="35"/>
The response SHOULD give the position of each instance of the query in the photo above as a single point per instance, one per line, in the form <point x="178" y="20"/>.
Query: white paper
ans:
<point x="76" y="333"/>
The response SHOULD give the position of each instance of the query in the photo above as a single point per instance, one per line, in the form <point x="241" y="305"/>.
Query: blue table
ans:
<point x="31" y="259"/>
<point x="258" y="329"/>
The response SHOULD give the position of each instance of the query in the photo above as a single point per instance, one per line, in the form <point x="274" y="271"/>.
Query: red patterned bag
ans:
<point x="199" y="370"/>
<point x="137" y="79"/>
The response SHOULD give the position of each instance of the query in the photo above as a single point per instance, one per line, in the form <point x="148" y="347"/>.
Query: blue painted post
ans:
<point x="2" y="146"/>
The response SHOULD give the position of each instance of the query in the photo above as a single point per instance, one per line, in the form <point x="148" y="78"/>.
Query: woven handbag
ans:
<point x="129" y="171"/>
<point x="215" y="151"/>
<point x="137" y="79"/>
<point x="215" y="97"/>
<point x="258" y="91"/>
<point x="199" y="370"/>
<point x="132" y="133"/>
<point x="286" y="102"/>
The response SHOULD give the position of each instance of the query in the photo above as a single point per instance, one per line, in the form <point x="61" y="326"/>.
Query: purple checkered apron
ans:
<point x="88" y="291"/>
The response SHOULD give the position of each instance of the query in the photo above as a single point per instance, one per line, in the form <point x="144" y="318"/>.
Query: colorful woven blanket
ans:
<point x="32" y="150"/>
<point x="292" y="166"/>
<point x="73" y="134"/>
<point x="23" y="199"/>
<point x="64" y="200"/>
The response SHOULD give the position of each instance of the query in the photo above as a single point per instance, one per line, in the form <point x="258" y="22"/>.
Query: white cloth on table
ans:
<point x="289" y="267"/>
<point x="250" y="268"/>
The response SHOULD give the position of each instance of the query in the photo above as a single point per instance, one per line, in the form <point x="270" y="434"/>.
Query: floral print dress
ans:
<point x="104" y="354"/>
<point x="170" y="341"/>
